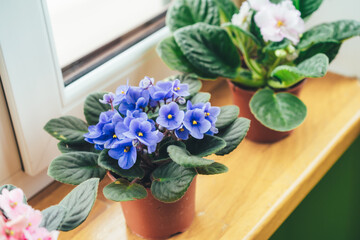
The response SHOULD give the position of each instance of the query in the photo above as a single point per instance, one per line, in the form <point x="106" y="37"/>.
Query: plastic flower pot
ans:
<point x="258" y="132"/>
<point x="152" y="219"/>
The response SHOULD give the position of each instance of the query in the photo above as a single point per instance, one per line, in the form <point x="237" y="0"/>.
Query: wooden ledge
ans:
<point x="265" y="182"/>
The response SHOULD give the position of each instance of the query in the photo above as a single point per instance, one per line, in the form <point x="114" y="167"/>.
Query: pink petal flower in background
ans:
<point x="259" y="4"/>
<point x="10" y="200"/>
<point x="43" y="234"/>
<point x="13" y="229"/>
<point x="242" y="18"/>
<point x="279" y="21"/>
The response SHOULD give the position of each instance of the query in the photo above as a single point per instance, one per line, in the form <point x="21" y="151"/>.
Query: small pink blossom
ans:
<point x="259" y="4"/>
<point x="13" y="229"/>
<point x="12" y="202"/>
<point x="279" y="21"/>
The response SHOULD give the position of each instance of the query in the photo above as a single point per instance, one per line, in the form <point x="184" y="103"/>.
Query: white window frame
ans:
<point x="33" y="82"/>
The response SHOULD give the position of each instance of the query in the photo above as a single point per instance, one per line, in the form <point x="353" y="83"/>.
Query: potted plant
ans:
<point x="19" y="221"/>
<point x="151" y="140"/>
<point x="263" y="50"/>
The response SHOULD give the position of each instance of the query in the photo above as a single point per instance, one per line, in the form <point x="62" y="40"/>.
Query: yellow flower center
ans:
<point x="114" y="136"/>
<point x="122" y="92"/>
<point x="176" y="88"/>
<point x="30" y="224"/>
<point x="9" y="232"/>
<point x="207" y="114"/>
<point x="126" y="149"/>
<point x="279" y="23"/>
<point x="140" y="134"/>
<point x="181" y="129"/>
<point x="117" y="182"/>
<point x="13" y="204"/>
<point x="194" y="122"/>
<point x="169" y="116"/>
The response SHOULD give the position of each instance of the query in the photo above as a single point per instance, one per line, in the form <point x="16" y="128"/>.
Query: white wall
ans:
<point x="347" y="62"/>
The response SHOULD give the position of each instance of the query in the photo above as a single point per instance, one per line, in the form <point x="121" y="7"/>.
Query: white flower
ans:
<point x="279" y="21"/>
<point x="259" y="4"/>
<point x="241" y="19"/>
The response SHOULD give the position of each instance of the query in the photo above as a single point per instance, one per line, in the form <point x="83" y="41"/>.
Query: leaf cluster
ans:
<point x="204" y="42"/>
<point x="168" y="172"/>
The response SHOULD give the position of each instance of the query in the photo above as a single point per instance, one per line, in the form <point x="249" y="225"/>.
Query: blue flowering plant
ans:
<point x="152" y="136"/>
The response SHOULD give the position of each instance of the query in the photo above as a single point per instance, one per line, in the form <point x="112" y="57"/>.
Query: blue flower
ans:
<point x="170" y="116"/>
<point x="140" y="129"/>
<point x="135" y="99"/>
<point x="196" y="123"/>
<point x="120" y="94"/>
<point x="161" y="91"/>
<point x="146" y="82"/>
<point x="180" y="90"/>
<point x="182" y="133"/>
<point x="124" y="152"/>
<point x="108" y="98"/>
<point x="211" y="113"/>
<point x="189" y="105"/>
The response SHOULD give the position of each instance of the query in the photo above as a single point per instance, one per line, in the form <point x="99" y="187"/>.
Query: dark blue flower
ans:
<point x="182" y="133"/>
<point x="180" y="90"/>
<point x="161" y="91"/>
<point x="196" y="123"/>
<point x="135" y="99"/>
<point x="170" y="116"/>
<point x="140" y="129"/>
<point x="124" y="152"/>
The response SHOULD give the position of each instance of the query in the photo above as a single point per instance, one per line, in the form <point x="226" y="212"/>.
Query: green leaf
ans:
<point x="281" y="112"/>
<point x="307" y="7"/>
<point x="182" y="157"/>
<point x="273" y="46"/>
<point x="78" y="204"/>
<point x="200" y="97"/>
<point x="227" y="115"/>
<point x="76" y="167"/>
<point x="329" y="48"/>
<point x="227" y="9"/>
<point x="52" y="217"/>
<point x="10" y="187"/>
<point x="108" y="163"/>
<point x="289" y="76"/>
<point x="335" y="31"/>
<point x="67" y="129"/>
<point x="206" y="146"/>
<point x="171" y="181"/>
<point x="84" y="147"/>
<point x="121" y="190"/>
<point x="200" y="45"/>
<point x="93" y="108"/>
<point x="214" y="168"/>
<point x="187" y="12"/>
<point x="233" y="134"/>
<point x="163" y="154"/>
<point x="245" y="40"/>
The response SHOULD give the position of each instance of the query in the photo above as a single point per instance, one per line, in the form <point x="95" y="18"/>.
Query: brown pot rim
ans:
<point x="253" y="90"/>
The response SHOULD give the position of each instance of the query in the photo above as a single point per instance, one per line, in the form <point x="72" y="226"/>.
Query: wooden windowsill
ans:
<point x="265" y="182"/>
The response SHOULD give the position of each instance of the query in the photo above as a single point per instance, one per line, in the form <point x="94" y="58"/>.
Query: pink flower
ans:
<point x="13" y="229"/>
<point x="12" y="202"/>
<point x="259" y="4"/>
<point x="42" y="234"/>
<point x="279" y="21"/>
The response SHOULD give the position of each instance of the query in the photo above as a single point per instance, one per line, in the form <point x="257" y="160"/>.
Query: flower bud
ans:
<point x="290" y="48"/>
<point x="181" y="100"/>
<point x="280" y="53"/>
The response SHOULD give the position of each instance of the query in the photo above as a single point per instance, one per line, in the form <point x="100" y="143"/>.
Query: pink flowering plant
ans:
<point x="262" y="46"/>
<point x="19" y="221"/>
<point x="153" y="136"/>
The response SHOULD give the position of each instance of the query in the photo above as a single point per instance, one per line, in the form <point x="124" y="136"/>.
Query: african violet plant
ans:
<point x="263" y="46"/>
<point x="152" y="136"/>
<point x="19" y="221"/>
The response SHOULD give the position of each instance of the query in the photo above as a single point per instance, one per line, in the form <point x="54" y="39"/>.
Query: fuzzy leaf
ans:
<point x="214" y="168"/>
<point x="227" y="9"/>
<point x="121" y="190"/>
<point x="93" y="108"/>
<point x="67" y="129"/>
<point x="307" y="7"/>
<point x="289" y="76"/>
<point x="227" y="115"/>
<point x="200" y="97"/>
<point x="84" y="147"/>
<point x="281" y="112"/>
<point x="163" y="154"/>
<point x="188" y="12"/>
<point x="206" y="146"/>
<point x="110" y="164"/>
<point x="52" y="217"/>
<point x="200" y="45"/>
<point x="171" y="181"/>
<point x="182" y="157"/>
<point x="78" y="204"/>
<point x="329" y="48"/>
<point x="76" y="167"/>
<point x="233" y="134"/>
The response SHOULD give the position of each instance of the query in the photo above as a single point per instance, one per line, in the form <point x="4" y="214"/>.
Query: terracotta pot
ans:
<point x="258" y="132"/>
<point x="152" y="219"/>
